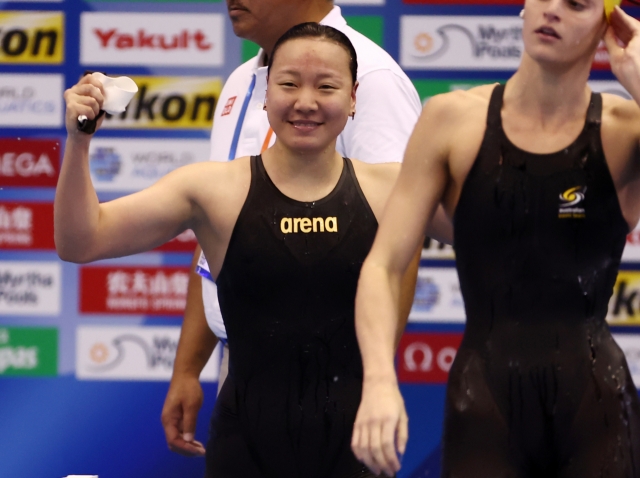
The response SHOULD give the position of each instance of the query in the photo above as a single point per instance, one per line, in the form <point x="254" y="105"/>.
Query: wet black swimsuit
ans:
<point x="539" y="387"/>
<point x="287" y="290"/>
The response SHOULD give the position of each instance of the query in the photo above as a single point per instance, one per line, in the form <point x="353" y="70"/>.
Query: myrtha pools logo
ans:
<point x="158" y="353"/>
<point x="486" y="43"/>
<point x="460" y="42"/>
<point x="571" y="203"/>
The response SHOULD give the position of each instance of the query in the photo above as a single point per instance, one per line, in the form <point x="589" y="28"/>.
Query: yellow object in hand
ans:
<point x="609" y="7"/>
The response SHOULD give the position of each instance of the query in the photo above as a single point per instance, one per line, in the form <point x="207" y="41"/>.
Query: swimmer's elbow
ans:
<point x="70" y="251"/>
<point x="374" y="267"/>
<point x="69" y="255"/>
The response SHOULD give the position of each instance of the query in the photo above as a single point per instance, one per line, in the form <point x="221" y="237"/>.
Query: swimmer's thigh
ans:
<point x="475" y="442"/>
<point x="227" y="454"/>
<point x="604" y="437"/>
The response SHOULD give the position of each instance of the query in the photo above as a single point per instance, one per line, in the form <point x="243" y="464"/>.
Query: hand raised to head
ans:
<point x="623" y="44"/>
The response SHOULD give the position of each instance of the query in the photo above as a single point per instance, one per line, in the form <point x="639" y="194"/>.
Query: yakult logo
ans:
<point x="427" y="358"/>
<point x="152" y="39"/>
<point x="142" y="39"/>
<point x="488" y="43"/>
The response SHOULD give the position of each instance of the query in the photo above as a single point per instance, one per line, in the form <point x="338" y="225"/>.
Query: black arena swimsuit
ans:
<point x="287" y="289"/>
<point x="539" y="387"/>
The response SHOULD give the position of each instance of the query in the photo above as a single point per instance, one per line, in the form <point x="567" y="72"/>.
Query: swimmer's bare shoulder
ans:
<point x="217" y="191"/>
<point x="220" y="180"/>
<point x="461" y="121"/>
<point x="620" y="135"/>
<point x="376" y="182"/>
<point x="447" y="139"/>
<point x="465" y="128"/>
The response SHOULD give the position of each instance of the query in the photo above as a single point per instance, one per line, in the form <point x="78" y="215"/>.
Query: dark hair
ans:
<point x="323" y="32"/>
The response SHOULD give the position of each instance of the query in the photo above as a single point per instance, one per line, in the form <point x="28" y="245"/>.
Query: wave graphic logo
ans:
<point x="424" y="43"/>
<point x="570" y="201"/>
<point x="490" y="42"/>
<point x="155" y="353"/>
<point x="460" y="42"/>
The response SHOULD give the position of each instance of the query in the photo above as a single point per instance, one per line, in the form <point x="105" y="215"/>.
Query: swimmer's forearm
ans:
<point x="76" y="206"/>
<point x="440" y="227"/>
<point x="377" y="306"/>
<point x="407" y="294"/>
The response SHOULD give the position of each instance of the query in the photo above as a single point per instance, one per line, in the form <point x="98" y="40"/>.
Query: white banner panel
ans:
<point x="632" y="249"/>
<point x="460" y="42"/>
<point x="134" y="164"/>
<point x="159" y="39"/>
<point x="30" y="288"/>
<point x="31" y="100"/>
<point x="438" y="297"/>
<point x="611" y="87"/>
<point x="132" y="353"/>
<point x="630" y="345"/>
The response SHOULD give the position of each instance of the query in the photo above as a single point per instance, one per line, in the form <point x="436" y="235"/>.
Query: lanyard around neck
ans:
<point x="243" y="112"/>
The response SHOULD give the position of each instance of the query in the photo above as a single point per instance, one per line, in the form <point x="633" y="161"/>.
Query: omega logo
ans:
<point x="444" y="358"/>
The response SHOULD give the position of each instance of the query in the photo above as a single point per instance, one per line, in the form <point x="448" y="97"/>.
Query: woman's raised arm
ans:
<point x="86" y="230"/>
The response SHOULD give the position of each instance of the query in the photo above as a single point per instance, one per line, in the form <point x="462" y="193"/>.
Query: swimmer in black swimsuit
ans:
<point x="285" y="234"/>
<point x="544" y="179"/>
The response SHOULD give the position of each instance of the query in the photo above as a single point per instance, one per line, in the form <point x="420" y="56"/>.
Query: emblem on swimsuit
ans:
<point x="571" y="203"/>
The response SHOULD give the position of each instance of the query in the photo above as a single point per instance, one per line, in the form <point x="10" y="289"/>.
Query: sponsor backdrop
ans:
<point x="86" y="352"/>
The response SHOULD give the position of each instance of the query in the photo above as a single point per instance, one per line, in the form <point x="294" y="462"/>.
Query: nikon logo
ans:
<point x="306" y="225"/>
<point x="170" y="102"/>
<point x="31" y="37"/>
